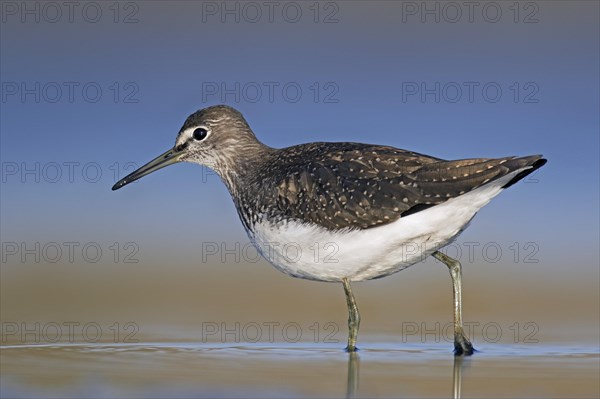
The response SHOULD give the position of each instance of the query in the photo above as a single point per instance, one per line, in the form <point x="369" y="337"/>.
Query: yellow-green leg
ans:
<point x="462" y="345"/>
<point x="353" y="316"/>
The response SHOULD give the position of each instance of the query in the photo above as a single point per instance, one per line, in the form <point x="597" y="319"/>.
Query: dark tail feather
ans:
<point x="535" y="161"/>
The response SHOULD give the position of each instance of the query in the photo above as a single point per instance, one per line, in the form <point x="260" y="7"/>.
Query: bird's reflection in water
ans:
<point x="352" y="383"/>
<point x="353" y="375"/>
<point x="459" y="364"/>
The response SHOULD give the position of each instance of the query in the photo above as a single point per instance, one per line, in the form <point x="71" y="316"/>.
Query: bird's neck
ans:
<point x="238" y="166"/>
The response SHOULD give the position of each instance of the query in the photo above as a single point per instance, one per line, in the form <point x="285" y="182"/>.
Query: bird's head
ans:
<point x="216" y="137"/>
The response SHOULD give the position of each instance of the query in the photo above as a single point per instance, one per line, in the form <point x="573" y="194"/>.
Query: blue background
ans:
<point x="171" y="51"/>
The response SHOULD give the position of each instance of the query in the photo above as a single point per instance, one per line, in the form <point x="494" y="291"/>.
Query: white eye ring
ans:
<point x="200" y="133"/>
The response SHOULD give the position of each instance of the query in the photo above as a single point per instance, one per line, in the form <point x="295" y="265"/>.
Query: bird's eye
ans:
<point x="200" y="134"/>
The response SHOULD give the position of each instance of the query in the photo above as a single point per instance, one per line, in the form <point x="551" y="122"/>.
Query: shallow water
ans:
<point x="189" y="332"/>
<point x="188" y="369"/>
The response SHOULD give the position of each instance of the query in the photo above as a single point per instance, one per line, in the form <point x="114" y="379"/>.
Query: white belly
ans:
<point x="315" y="253"/>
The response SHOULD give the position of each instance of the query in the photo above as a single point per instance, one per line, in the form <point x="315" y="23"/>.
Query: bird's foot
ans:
<point x="351" y="349"/>
<point x="462" y="346"/>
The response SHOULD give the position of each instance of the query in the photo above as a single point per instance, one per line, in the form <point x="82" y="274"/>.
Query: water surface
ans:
<point x="189" y="369"/>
